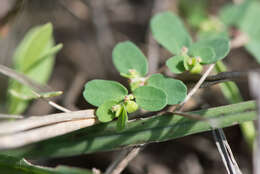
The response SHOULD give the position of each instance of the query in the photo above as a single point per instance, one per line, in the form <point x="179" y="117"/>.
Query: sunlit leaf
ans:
<point x="104" y="112"/>
<point x="206" y="54"/>
<point x="175" y="64"/>
<point x="169" y="31"/>
<point x="127" y="56"/>
<point x="175" y="89"/>
<point x="98" y="92"/>
<point x="220" y="45"/>
<point x="150" y="98"/>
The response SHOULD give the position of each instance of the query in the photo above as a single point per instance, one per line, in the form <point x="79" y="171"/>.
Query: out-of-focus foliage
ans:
<point x="34" y="57"/>
<point x="12" y="165"/>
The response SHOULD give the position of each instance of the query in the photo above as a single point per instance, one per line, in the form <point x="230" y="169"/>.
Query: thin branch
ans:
<point x="196" y="87"/>
<point x="122" y="160"/>
<point x="39" y="121"/>
<point x="23" y="79"/>
<point x="193" y="90"/>
<point x="38" y="88"/>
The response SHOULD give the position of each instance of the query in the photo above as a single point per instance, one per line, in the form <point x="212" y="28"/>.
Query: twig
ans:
<point x="254" y="83"/>
<point x="23" y="79"/>
<point x="38" y="88"/>
<point x="39" y="121"/>
<point x="122" y="160"/>
<point x="196" y="87"/>
<point x="193" y="90"/>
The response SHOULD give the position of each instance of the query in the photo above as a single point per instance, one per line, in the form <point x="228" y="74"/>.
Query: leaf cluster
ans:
<point x="153" y="92"/>
<point x="34" y="57"/>
<point x="170" y="32"/>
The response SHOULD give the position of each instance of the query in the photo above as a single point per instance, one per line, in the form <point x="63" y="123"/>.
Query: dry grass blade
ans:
<point x="39" y="121"/>
<point x="7" y="116"/>
<point x="225" y="152"/>
<point x="43" y="133"/>
<point x="254" y="83"/>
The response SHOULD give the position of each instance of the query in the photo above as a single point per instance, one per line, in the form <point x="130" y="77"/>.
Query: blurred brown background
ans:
<point x="89" y="29"/>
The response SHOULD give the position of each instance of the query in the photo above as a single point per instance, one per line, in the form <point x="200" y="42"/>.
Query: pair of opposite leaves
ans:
<point x="157" y="92"/>
<point x="169" y="31"/>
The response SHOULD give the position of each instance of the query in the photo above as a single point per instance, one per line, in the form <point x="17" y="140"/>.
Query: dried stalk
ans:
<point x="39" y="121"/>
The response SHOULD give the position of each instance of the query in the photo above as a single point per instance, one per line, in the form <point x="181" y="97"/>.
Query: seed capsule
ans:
<point x="131" y="106"/>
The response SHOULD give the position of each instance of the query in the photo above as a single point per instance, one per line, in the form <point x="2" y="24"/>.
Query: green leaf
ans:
<point x="12" y="165"/>
<point x="46" y="55"/>
<point x="104" y="112"/>
<point x="32" y="47"/>
<point x="220" y="45"/>
<point x="126" y="56"/>
<point x="98" y="92"/>
<point x="104" y="137"/>
<point x="175" y="89"/>
<point x="175" y="64"/>
<point x="122" y="120"/>
<point x="34" y="57"/>
<point x="169" y="31"/>
<point x="150" y="98"/>
<point x="206" y="54"/>
<point x="251" y="26"/>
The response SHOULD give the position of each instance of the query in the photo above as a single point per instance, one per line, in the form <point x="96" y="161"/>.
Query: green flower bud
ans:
<point x="196" y="69"/>
<point x="193" y="65"/>
<point x="117" y="109"/>
<point x="131" y="106"/>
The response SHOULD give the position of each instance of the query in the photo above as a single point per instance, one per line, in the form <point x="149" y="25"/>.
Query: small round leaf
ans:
<point x="104" y="112"/>
<point x="168" y="29"/>
<point x="98" y="92"/>
<point x="206" y="54"/>
<point x="219" y="44"/>
<point x="176" y="90"/>
<point x="126" y="56"/>
<point x="175" y="64"/>
<point x="150" y="98"/>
